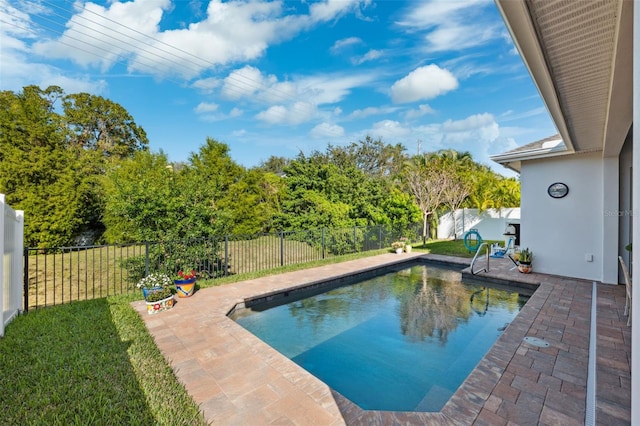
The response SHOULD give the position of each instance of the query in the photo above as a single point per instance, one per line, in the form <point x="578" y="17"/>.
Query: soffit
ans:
<point x="578" y="53"/>
<point x="578" y="40"/>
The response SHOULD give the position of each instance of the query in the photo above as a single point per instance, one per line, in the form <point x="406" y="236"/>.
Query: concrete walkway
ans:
<point x="239" y="380"/>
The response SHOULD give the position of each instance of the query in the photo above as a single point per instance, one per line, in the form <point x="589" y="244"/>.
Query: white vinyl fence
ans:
<point x="490" y="223"/>
<point x="11" y="246"/>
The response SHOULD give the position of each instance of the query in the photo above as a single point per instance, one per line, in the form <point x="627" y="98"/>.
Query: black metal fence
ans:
<point x="66" y="274"/>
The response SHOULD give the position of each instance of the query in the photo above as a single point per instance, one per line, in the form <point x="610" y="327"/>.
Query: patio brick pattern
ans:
<point x="237" y="379"/>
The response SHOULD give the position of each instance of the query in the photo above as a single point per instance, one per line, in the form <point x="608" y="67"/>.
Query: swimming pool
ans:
<point x="403" y="340"/>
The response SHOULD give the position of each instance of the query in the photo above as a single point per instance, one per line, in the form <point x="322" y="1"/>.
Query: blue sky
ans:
<point x="279" y="78"/>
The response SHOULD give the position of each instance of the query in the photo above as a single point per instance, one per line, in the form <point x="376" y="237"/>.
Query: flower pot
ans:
<point x="146" y="291"/>
<point x="408" y="248"/>
<point x="160" y="305"/>
<point x="399" y="250"/>
<point x="524" y="267"/>
<point x="185" y="288"/>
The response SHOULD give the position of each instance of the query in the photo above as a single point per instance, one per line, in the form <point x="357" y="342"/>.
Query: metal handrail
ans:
<point x="486" y="268"/>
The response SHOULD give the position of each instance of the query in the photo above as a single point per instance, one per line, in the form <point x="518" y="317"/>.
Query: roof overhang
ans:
<point x="579" y="55"/>
<point x="551" y="147"/>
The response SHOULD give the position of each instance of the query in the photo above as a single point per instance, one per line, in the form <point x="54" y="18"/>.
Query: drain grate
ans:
<point x="536" y="341"/>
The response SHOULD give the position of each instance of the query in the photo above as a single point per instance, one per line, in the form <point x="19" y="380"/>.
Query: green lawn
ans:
<point x="93" y="362"/>
<point x="450" y="247"/>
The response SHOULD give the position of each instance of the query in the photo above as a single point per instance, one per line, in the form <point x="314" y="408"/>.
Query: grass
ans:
<point x="450" y="247"/>
<point x="93" y="362"/>
<point x="88" y="362"/>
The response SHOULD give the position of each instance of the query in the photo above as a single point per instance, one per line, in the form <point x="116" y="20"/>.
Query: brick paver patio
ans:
<point x="239" y="380"/>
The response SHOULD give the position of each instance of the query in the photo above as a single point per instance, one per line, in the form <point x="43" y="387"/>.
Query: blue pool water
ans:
<point x="401" y="341"/>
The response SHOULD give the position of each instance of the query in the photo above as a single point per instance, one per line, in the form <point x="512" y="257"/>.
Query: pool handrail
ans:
<point x="486" y="268"/>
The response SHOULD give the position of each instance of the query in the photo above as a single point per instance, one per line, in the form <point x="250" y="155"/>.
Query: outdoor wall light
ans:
<point x="558" y="190"/>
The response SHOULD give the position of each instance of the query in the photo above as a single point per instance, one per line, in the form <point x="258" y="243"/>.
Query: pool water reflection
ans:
<point x="401" y="341"/>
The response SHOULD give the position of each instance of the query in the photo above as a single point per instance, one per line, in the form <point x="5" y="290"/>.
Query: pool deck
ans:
<point x="237" y="379"/>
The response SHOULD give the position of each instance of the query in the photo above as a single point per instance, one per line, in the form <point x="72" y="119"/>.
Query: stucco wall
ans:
<point x="564" y="233"/>
<point x="490" y="223"/>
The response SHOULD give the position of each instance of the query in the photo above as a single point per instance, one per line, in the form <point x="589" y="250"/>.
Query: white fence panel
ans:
<point x="11" y="246"/>
<point x="490" y="223"/>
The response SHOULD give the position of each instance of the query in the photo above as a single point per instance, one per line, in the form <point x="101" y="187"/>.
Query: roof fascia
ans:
<point x="518" y="22"/>
<point x="620" y="106"/>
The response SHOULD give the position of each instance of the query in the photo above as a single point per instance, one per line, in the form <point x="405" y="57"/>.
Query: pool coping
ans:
<point x="236" y="378"/>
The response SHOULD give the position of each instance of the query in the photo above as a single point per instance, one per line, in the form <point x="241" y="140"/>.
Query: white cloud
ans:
<point x="327" y="130"/>
<point x="235" y="112"/>
<point x="19" y="69"/>
<point x="451" y="25"/>
<point x="332" y="88"/>
<point x="208" y="111"/>
<point x="205" y="107"/>
<point x="389" y="130"/>
<point x="366" y="112"/>
<point x="419" y="112"/>
<point x="129" y="32"/>
<point x="250" y="84"/>
<point x="465" y="66"/>
<point x="435" y="12"/>
<point x="331" y="9"/>
<point x="207" y="85"/>
<point x="299" y="112"/>
<point x="470" y="123"/>
<point x="459" y="37"/>
<point x="99" y="36"/>
<point x="339" y="45"/>
<point x="425" y="82"/>
<point x="369" y="56"/>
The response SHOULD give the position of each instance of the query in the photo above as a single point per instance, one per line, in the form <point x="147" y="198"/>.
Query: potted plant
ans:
<point x="524" y="261"/>
<point x="159" y="300"/>
<point x="398" y="246"/>
<point x="185" y="282"/>
<point x="153" y="282"/>
<point x="407" y="245"/>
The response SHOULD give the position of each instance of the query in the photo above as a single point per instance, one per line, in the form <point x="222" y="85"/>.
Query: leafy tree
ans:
<point x="457" y="168"/>
<point x="37" y="173"/>
<point x="491" y="190"/>
<point x="373" y="157"/>
<point x="400" y="209"/>
<point x="275" y="165"/>
<point x="142" y="200"/>
<point x="312" y="197"/>
<point x="256" y="201"/>
<point x="427" y="180"/>
<point x="99" y="124"/>
<point x="150" y="199"/>
<point x="48" y="161"/>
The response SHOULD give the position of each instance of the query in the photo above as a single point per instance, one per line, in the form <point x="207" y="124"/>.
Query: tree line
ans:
<point x="78" y="162"/>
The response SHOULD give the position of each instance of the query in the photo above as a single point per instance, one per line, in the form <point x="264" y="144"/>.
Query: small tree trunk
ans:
<point x="455" y="226"/>
<point x="425" y="221"/>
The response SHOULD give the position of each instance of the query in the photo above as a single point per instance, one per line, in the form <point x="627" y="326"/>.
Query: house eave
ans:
<point x="513" y="160"/>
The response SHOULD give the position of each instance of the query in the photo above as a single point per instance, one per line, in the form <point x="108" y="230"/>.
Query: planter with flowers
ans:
<point x="185" y="283"/>
<point x="398" y="246"/>
<point x="159" y="300"/>
<point x="153" y="282"/>
<point x="157" y="293"/>
<point x="525" y="259"/>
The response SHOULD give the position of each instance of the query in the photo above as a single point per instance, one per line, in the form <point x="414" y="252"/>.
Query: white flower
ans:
<point x="154" y="280"/>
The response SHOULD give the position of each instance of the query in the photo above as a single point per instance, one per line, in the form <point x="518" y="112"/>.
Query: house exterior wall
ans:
<point x="567" y="234"/>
